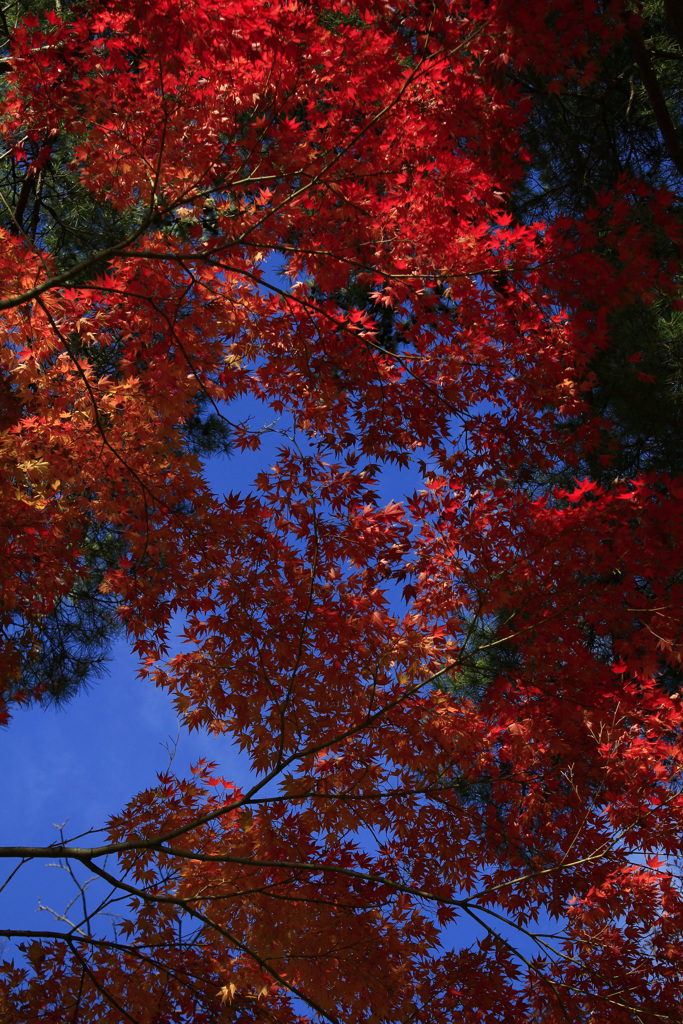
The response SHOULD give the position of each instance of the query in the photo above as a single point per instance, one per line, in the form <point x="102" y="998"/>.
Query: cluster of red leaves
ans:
<point x="376" y="141"/>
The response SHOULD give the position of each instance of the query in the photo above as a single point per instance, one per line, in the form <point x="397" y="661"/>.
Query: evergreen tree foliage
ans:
<point x="623" y="122"/>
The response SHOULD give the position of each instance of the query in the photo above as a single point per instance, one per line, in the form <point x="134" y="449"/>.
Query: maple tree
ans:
<point x="625" y="121"/>
<point x="61" y="650"/>
<point x="372" y="149"/>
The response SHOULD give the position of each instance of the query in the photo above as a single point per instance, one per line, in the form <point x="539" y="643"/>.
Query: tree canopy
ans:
<point x="451" y="704"/>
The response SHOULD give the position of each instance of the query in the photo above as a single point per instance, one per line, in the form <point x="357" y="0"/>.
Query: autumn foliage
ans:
<point x="265" y="159"/>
